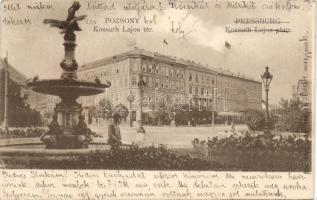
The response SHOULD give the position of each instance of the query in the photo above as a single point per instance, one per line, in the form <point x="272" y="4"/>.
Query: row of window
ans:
<point x="118" y="82"/>
<point x="202" y="91"/>
<point x="163" y="71"/>
<point x="228" y="92"/>
<point x="206" y="91"/>
<point x="159" y="83"/>
<point x="118" y="67"/>
<point x="235" y="83"/>
<point x="200" y="78"/>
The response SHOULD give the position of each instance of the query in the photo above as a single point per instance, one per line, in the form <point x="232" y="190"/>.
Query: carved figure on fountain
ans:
<point x="69" y="64"/>
<point x="71" y="23"/>
<point x="54" y="127"/>
<point x="53" y="135"/>
<point x="84" y="133"/>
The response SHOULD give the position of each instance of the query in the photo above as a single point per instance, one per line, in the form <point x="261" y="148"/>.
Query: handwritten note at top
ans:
<point x="105" y="184"/>
<point x="147" y="16"/>
<point x="148" y="5"/>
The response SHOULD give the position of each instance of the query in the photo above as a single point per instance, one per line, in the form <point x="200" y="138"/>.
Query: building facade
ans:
<point x="13" y="77"/>
<point x="44" y="104"/>
<point x="169" y="82"/>
<point x="302" y="92"/>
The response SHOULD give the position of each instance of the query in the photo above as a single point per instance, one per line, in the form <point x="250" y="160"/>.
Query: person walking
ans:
<point x="233" y="128"/>
<point x="114" y="134"/>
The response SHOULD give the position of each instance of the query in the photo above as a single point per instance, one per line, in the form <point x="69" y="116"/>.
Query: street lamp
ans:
<point x="6" y="94"/>
<point x="267" y="78"/>
<point x="214" y="106"/>
<point x="141" y="85"/>
<point x="130" y="98"/>
<point x="155" y="98"/>
<point x="207" y="103"/>
<point x="155" y="103"/>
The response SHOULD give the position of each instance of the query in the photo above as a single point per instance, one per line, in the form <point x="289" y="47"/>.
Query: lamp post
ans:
<point x="155" y="99"/>
<point x="6" y="94"/>
<point x="207" y="101"/>
<point x="267" y="78"/>
<point x="155" y="103"/>
<point x="130" y="98"/>
<point x="214" y="106"/>
<point x="141" y="85"/>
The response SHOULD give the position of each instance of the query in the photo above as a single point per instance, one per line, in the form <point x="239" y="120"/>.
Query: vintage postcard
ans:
<point x="157" y="99"/>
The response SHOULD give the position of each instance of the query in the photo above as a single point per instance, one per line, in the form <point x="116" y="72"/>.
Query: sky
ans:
<point x="36" y="49"/>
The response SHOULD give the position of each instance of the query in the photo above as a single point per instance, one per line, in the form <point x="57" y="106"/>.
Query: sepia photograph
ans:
<point x="172" y="85"/>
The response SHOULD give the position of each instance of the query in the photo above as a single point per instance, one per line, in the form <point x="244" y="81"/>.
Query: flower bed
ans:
<point x="260" y="160"/>
<point x="257" y="153"/>
<point x="22" y="133"/>
<point x="160" y="158"/>
<point x="148" y="158"/>
<point x="259" y="142"/>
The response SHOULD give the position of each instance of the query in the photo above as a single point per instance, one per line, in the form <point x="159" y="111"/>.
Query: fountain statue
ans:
<point x="68" y="129"/>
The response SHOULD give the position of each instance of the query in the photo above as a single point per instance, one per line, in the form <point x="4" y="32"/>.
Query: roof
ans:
<point x="15" y="75"/>
<point x="238" y="76"/>
<point x="138" y="52"/>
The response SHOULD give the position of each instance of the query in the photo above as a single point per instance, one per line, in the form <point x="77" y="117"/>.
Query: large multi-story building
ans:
<point x="171" y="80"/>
<point x="13" y="77"/>
<point x="302" y="92"/>
<point x="17" y="81"/>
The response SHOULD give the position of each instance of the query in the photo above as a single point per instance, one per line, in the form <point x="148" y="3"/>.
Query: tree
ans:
<point x="292" y="116"/>
<point x="255" y="120"/>
<point x="20" y="113"/>
<point x="102" y="109"/>
<point x="122" y="110"/>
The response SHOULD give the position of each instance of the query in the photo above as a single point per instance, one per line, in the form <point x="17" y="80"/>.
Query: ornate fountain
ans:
<point x="68" y="129"/>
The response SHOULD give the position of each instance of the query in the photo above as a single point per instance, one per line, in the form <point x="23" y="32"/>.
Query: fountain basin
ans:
<point x="67" y="87"/>
<point x="72" y="133"/>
